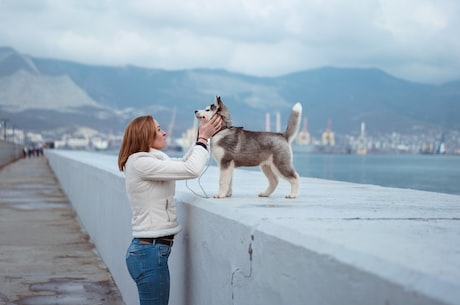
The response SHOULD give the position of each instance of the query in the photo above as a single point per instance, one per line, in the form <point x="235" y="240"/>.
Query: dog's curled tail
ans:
<point x="294" y="122"/>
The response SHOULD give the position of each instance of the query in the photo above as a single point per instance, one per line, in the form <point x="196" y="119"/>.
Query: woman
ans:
<point x="150" y="184"/>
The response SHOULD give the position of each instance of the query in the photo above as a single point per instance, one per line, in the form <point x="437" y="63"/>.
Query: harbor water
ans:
<point x="435" y="173"/>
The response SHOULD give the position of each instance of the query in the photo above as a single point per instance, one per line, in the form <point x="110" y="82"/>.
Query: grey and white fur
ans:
<point x="235" y="147"/>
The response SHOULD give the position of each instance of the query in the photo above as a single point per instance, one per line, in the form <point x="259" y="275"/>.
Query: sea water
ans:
<point x="436" y="173"/>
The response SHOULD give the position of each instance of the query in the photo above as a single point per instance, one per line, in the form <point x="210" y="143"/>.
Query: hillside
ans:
<point x="42" y="93"/>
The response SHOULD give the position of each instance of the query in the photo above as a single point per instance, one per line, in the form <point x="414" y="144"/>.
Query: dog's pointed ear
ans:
<point x="218" y="100"/>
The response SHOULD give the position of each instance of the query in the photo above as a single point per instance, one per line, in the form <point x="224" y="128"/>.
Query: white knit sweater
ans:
<point x="150" y="185"/>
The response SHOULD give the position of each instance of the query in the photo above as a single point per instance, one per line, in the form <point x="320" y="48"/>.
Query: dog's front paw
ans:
<point x="223" y="194"/>
<point x="290" y="196"/>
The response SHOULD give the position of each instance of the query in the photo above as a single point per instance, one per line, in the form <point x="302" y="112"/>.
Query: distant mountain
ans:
<point x="48" y="94"/>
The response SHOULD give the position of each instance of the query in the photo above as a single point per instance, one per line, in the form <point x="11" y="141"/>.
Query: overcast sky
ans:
<point x="412" y="39"/>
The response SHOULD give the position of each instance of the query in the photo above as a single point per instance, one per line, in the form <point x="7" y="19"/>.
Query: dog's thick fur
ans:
<point x="235" y="147"/>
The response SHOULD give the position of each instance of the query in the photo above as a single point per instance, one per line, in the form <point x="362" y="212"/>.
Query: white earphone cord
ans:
<point x="199" y="178"/>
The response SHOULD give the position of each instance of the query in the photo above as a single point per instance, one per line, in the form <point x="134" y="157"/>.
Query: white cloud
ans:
<point x="413" y="39"/>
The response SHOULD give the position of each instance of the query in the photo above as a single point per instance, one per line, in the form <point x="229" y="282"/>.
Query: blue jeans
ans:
<point x="148" y="266"/>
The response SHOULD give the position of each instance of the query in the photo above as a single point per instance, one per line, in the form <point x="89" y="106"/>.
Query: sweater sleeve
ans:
<point x="152" y="168"/>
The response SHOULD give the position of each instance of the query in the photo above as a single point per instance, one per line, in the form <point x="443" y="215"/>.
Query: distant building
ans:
<point x="362" y="142"/>
<point x="328" y="138"/>
<point x="303" y="138"/>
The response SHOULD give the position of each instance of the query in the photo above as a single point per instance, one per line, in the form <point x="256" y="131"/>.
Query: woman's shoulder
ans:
<point x="153" y="153"/>
<point x="138" y="154"/>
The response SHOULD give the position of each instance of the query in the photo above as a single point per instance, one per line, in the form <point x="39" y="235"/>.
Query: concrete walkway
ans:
<point x="45" y="257"/>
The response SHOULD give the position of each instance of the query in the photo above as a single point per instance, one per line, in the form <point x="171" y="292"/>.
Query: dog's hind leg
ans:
<point x="294" y="181"/>
<point x="225" y="180"/>
<point x="287" y="172"/>
<point x="272" y="180"/>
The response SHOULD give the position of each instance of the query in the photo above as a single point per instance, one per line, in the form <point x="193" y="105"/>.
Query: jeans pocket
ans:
<point x="163" y="254"/>
<point x="135" y="261"/>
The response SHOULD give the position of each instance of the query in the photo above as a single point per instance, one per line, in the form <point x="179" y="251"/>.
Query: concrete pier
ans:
<point x="45" y="256"/>
<point x="337" y="243"/>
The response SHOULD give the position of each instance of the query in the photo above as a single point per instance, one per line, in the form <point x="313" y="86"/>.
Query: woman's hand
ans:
<point x="208" y="129"/>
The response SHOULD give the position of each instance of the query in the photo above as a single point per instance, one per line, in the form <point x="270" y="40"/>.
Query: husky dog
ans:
<point x="235" y="147"/>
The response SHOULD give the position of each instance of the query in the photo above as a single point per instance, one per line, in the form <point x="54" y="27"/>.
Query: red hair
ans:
<point x="138" y="137"/>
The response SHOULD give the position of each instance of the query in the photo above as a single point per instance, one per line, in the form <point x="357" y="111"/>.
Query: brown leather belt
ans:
<point x="166" y="240"/>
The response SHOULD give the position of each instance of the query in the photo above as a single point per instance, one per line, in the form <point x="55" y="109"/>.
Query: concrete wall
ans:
<point x="338" y="243"/>
<point x="9" y="152"/>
